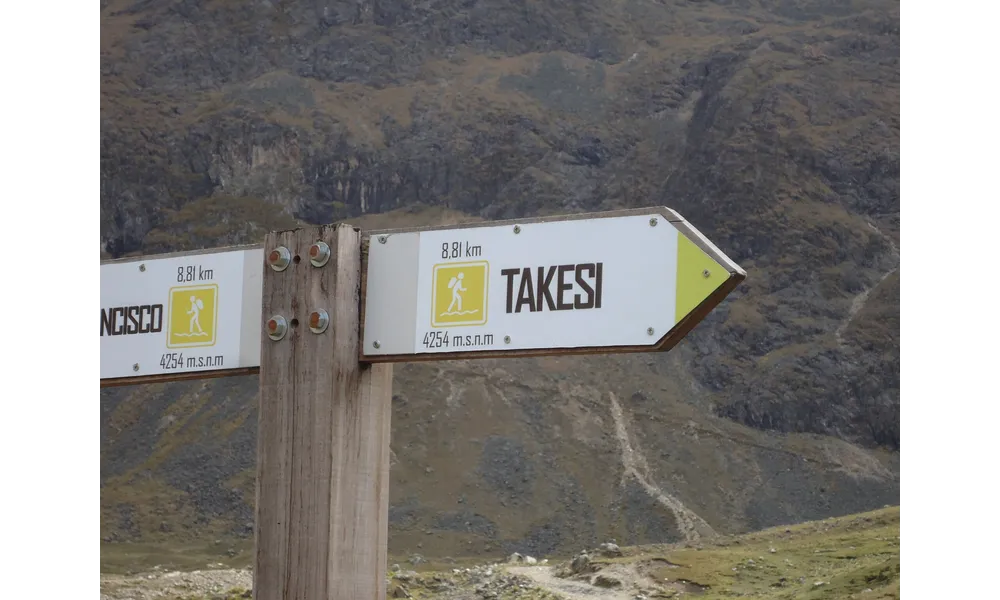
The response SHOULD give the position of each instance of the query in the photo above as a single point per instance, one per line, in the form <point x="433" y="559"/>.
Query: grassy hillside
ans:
<point x="853" y="557"/>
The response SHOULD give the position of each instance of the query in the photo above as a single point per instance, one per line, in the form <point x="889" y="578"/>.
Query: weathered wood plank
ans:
<point x="274" y="432"/>
<point x="189" y="376"/>
<point x="323" y="453"/>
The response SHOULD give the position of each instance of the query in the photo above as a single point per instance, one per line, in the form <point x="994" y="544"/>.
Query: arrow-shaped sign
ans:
<point x="623" y="281"/>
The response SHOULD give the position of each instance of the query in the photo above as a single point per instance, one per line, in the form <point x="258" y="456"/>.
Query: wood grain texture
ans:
<point x="167" y="377"/>
<point x="323" y="433"/>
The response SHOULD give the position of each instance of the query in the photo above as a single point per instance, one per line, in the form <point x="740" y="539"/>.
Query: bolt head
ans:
<point x="276" y="327"/>
<point x="319" y="254"/>
<point x="319" y="320"/>
<point x="650" y="331"/>
<point x="279" y="258"/>
<point x="517" y="229"/>
<point x="135" y="367"/>
<point x="142" y="268"/>
<point x="376" y="344"/>
<point x="382" y="239"/>
<point x="705" y="273"/>
<point x="653" y="222"/>
<point x="506" y="339"/>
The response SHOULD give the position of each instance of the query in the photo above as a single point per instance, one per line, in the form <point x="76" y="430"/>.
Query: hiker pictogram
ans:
<point x="192" y="316"/>
<point x="456" y="297"/>
<point x="196" y="307"/>
<point x="459" y="294"/>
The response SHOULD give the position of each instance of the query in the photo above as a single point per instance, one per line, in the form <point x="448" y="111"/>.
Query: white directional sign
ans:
<point x="182" y="313"/>
<point x="624" y="281"/>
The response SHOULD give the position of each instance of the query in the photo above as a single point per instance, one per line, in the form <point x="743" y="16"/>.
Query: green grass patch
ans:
<point x="123" y="558"/>
<point x="856" y="556"/>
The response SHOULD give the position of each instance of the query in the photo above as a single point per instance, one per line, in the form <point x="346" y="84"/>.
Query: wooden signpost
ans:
<point x="322" y="312"/>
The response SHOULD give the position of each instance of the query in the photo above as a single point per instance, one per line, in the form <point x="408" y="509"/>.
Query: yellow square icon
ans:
<point x="459" y="294"/>
<point x="192" y="316"/>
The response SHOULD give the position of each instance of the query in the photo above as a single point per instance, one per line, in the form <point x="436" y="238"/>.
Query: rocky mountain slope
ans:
<point x="773" y="125"/>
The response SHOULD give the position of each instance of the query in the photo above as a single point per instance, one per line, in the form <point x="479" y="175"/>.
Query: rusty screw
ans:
<point x="276" y="327"/>
<point x="319" y="254"/>
<point x="319" y="320"/>
<point x="279" y="258"/>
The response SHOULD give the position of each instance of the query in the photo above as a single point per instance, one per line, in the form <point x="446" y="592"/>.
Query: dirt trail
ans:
<point x="544" y="578"/>
<point x="634" y="463"/>
<point x="861" y="299"/>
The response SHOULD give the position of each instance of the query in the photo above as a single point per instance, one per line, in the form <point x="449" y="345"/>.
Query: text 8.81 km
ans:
<point x="460" y="250"/>
<point x="193" y="273"/>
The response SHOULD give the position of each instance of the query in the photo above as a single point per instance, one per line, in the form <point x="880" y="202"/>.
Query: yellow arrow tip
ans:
<point x="698" y="275"/>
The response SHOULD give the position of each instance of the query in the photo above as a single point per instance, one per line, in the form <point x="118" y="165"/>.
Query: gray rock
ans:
<point x="580" y="564"/>
<point x="605" y="581"/>
<point x="610" y="549"/>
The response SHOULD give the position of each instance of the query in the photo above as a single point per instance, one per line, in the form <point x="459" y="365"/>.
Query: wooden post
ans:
<point x="323" y="432"/>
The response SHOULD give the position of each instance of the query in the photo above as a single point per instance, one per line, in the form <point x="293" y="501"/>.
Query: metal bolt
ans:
<point x="276" y="327"/>
<point x="279" y="258"/>
<point x="142" y="268"/>
<point x="135" y="367"/>
<point x="517" y="229"/>
<point x="376" y="344"/>
<point x="650" y="331"/>
<point x="705" y="273"/>
<point x="319" y="254"/>
<point x="382" y="239"/>
<point x="319" y="320"/>
<point x="506" y="339"/>
<point x="652" y="222"/>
